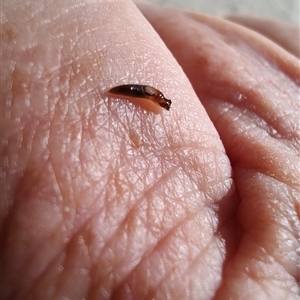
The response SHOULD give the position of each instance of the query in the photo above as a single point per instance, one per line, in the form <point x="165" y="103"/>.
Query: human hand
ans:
<point x="103" y="199"/>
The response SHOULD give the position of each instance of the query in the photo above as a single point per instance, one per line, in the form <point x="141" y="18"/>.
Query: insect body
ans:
<point x="143" y="92"/>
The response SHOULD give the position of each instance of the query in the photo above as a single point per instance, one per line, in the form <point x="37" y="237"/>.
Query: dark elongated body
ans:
<point x="143" y="92"/>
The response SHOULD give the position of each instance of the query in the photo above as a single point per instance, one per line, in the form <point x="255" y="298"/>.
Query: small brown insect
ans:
<point x="144" y="92"/>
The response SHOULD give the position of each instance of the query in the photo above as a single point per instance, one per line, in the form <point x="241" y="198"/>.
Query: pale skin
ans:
<point x="104" y="199"/>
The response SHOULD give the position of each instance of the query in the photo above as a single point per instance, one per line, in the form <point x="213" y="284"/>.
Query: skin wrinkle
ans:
<point x="167" y="236"/>
<point x="60" y="282"/>
<point x="267" y="49"/>
<point x="252" y="90"/>
<point x="43" y="274"/>
<point x="271" y="259"/>
<point x="123" y="285"/>
<point x="267" y="164"/>
<point x="286" y="36"/>
<point x="263" y="275"/>
<point x="284" y="227"/>
<point x="271" y="123"/>
<point x="190" y="75"/>
<point x="81" y="272"/>
<point x="13" y="166"/>
<point x="158" y="285"/>
<point x="28" y="263"/>
<point x="168" y="277"/>
<point x="137" y="203"/>
<point x="259" y="244"/>
<point x="104" y="207"/>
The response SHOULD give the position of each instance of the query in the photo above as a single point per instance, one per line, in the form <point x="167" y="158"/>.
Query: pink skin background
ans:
<point x="103" y="199"/>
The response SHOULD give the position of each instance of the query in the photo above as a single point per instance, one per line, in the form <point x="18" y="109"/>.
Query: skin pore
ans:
<point x="103" y="199"/>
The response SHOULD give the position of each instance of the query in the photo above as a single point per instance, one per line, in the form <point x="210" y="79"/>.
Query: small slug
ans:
<point x="143" y="92"/>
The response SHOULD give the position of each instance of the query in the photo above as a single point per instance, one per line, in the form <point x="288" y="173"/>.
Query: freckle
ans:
<point x="142" y="92"/>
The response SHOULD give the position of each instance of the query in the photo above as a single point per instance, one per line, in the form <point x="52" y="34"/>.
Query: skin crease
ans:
<point x="103" y="199"/>
<point x="285" y="34"/>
